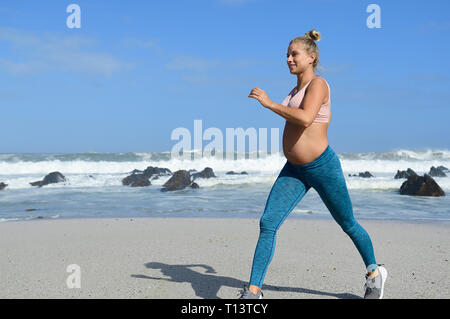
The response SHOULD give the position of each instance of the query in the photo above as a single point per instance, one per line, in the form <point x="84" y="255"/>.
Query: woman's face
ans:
<point x="297" y="59"/>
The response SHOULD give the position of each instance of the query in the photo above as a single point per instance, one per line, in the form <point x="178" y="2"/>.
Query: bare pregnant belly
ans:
<point x="304" y="145"/>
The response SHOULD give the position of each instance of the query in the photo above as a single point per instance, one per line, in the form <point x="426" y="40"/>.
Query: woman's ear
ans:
<point x="313" y="57"/>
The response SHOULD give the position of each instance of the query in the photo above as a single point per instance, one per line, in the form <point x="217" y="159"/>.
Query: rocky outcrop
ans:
<point x="434" y="171"/>
<point x="437" y="171"/>
<point x="156" y="171"/>
<point x="182" y="179"/>
<point x="444" y="169"/>
<point x="404" y="174"/>
<point x="53" y="177"/>
<point x="142" y="178"/>
<point x="194" y="185"/>
<point x="179" y="180"/>
<point x="366" y="174"/>
<point x="206" y="173"/>
<point x="421" y="186"/>
<point x="136" y="180"/>
<point x="235" y="173"/>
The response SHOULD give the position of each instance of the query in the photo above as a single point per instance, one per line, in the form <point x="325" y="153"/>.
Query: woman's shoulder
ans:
<point x="318" y="78"/>
<point x="321" y="80"/>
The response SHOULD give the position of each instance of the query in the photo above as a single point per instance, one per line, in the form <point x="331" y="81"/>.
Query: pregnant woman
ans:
<point x="311" y="162"/>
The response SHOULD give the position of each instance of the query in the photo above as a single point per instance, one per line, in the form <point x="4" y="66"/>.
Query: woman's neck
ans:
<point x="304" y="78"/>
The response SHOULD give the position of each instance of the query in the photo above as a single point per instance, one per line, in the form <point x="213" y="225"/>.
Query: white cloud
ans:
<point x="36" y="53"/>
<point x="428" y="76"/>
<point x="434" y="26"/>
<point x="20" y="68"/>
<point x="191" y="63"/>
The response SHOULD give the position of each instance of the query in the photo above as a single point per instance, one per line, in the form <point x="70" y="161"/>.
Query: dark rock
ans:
<point x="235" y="173"/>
<point x="179" y="180"/>
<point x="444" y="169"/>
<point x="2" y="185"/>
<point x="140" y="178"/>
<point x="206" y="173"/>
<point x="421" y="186"/>
<point x="54" y="177"/>
<point x="404" y="174"/>
<point x="436" y="172"/>
<point x="136" y="180"/>
<point x="159" y="171"/>
<point x="365" y="174"/>
<point x="194" y="185"/>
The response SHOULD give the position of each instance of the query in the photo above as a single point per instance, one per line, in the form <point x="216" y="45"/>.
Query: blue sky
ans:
<point x="136" y="70"/>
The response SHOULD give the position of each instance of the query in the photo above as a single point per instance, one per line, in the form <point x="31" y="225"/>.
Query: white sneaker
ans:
<point x="374" y="286"/>
<point x="247" y="294"/>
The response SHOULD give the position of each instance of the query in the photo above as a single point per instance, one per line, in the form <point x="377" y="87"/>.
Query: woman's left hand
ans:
<point x="261" y="96"/>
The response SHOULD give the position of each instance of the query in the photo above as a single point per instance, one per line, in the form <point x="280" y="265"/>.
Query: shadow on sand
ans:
<point x="206" y="285"/>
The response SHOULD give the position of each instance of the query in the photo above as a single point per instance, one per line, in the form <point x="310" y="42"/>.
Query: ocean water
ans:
<point x="94" y="187"/>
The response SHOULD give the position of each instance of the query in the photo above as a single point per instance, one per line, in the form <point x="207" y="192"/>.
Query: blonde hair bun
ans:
<point x="313" y="35"/>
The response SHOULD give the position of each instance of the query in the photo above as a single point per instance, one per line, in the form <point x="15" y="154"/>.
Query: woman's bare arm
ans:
<point x="314" y="96"/>
<point x="293" y="115"/>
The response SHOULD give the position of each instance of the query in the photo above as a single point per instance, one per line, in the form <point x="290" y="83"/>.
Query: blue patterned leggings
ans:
<point x="325" y="175"/>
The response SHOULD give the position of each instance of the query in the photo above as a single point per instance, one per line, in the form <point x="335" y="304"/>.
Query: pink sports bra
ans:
<point x="296" y="101"/>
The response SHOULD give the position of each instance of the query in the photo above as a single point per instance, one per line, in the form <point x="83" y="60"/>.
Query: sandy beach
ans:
<point x="211" y="258"/>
